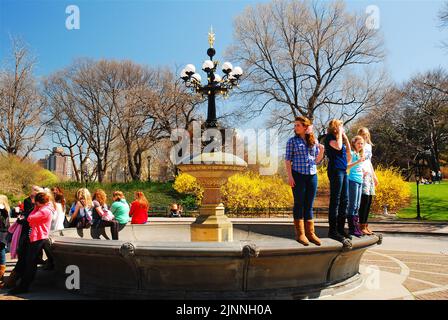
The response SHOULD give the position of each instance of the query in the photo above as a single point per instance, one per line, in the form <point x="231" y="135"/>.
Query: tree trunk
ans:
<point x="99" y="169"/>
<point x="75" y="167"/>
<point x="138" y="165"/>
<point x="130" y="162"/>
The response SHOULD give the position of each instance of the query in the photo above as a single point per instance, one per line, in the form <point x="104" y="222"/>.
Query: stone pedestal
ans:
<point x="212" y="224"/>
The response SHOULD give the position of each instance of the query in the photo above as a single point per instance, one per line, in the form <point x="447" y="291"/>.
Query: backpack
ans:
<point x="83" y="219"/>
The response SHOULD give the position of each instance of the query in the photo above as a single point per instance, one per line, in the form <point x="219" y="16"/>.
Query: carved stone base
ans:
<point x="212" y="224"/>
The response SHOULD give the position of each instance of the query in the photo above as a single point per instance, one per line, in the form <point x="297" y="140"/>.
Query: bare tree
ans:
<point x="173" y="105"/>
<point x="116" y="105"/>
<point x="132" y="115"/>
<point x="21" y="105"/>
<point x="150" y="104"/>
<point x="413" y="118"/>
<point x="92" y="88"/>
<point x="443" y="15"/>
<point x="443" y="18"/>
<point x="61" y="129"/>
<point x="307" y="58"/>
<point x="425" y="115"/>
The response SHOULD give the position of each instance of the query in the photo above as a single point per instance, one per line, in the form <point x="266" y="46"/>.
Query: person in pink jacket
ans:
<point x="40" y="224"/>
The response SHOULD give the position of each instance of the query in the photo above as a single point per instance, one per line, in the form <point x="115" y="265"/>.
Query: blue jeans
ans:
<point x="354" y="199"/>
<point x="338" y="193"/>
<point x="2" y="254"/>
<point x="304" y="192"/>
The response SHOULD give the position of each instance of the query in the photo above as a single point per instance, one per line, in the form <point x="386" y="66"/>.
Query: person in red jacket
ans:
<point x="40" y="223"/>
<point x="139" y="209"/>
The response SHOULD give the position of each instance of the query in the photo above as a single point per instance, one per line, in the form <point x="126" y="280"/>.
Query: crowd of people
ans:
<point x="351" y="193"/>
<point x="43" y="212"/>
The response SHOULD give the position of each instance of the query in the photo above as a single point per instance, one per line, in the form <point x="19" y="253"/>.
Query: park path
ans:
<point x="414" y="253"/>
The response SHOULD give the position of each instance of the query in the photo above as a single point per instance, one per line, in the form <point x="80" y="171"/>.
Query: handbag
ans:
<point x="107" y="216"/>
<point x="83" y="223"/>
<point x="66" y="223"/>
<point x="84" y="219"/>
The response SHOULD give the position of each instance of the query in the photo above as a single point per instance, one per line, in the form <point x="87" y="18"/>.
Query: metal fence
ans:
<point x="240" y="212"/>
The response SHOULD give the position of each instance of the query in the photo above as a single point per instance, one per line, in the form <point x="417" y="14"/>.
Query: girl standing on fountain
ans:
<point x="355" y="180"/>
<point x="370" y="181"/>
<point x="302" y="153"/>
<point x="338" y="150"/>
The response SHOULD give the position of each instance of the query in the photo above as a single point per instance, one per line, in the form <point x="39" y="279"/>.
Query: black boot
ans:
<point x="335" y="235"/>
<point x="333" y="232"/>
<point x="351" y="225"/>
<point x="341" y="227"/>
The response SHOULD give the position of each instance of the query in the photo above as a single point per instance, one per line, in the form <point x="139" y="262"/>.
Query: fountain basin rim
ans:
<point x="234" y="248"/>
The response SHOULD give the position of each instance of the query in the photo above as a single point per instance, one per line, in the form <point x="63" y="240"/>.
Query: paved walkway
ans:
<point x="424" y="275"/>
<point x="412" y="263"/>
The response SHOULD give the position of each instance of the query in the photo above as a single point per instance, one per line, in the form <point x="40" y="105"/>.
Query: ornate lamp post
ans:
<point x="215" y="83"/>
<point x="418" y="176"/>
<point x="212" y="224"/>
<point x="419" y="164"/>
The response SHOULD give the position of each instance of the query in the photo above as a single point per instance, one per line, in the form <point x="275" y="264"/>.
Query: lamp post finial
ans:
<point x="211" y="37"/>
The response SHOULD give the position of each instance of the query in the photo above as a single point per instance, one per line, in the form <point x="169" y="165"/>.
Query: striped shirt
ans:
<point x="302" y="157"/>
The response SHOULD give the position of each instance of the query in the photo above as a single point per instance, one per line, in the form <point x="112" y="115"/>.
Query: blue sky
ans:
<point x="174" y="33"/>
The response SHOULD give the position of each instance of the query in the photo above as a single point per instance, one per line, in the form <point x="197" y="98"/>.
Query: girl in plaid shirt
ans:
<point x="303" y="152"/>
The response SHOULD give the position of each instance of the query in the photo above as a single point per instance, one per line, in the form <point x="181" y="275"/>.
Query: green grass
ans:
<point x="158" y="194"/>
<point x="433" y="202"/>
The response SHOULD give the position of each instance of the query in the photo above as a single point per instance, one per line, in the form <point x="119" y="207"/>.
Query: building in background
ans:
<point x="58" y="163"/>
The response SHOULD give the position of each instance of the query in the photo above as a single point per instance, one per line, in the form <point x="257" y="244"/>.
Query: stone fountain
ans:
<point x="209" y="258"/>
<point x="211" y="171"/>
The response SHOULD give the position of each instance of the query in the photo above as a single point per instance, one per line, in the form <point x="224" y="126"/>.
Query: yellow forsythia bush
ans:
<point x="250" y="190"/>
<point x="323" y="183"/>
<point x="18" y="175"/>
<point x="392" y="190"/>
<point x="188" y="184"/>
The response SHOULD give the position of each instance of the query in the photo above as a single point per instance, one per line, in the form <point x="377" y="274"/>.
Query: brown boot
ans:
<point x="368" y="230"/>
<point x="363" y="227"/>
<point x="310" y="233"/>
<point x="300" y="232"/>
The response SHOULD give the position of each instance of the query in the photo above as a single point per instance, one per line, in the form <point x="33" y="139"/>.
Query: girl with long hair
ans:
<point x="120" y="209"/>
<point x="99" y="213"/>
<point x="40" y="222"/>
<point x="57" y="222"/>
<point x="83" y="207"/>
<point x="139" y="209"/>
<point x="338" y="151"/>
<point x="355" y="180"/>
<point x="303" y="152"/>
<point x="370" y="182"/>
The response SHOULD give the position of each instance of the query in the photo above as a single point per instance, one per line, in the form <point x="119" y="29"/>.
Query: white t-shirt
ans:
<point x="57" y="223"/>
<point x="367" y="164"/>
